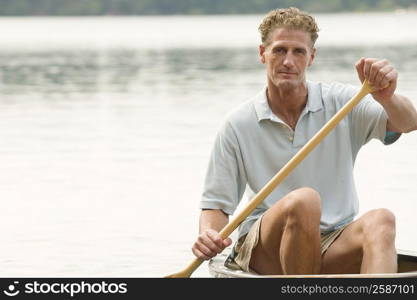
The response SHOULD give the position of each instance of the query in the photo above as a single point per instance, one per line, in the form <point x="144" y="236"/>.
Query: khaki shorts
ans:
<point x="241" y="253"/>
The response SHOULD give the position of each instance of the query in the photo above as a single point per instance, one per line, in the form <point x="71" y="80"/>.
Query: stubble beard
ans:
<point x="287" y="86"/>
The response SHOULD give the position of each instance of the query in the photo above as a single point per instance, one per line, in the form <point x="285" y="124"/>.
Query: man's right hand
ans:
<point x="209" y="244"/>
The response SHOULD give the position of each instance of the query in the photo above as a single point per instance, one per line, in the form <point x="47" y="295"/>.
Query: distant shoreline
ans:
<point x="43" y="8"/>
<point x="396" y="11"/>
<point x="84" y="11"/>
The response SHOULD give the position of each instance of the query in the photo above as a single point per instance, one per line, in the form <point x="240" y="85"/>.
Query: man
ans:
<point x="306" y="225"/>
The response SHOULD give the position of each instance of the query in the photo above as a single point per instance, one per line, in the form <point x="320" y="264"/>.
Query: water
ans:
<point x="106" y="126"/>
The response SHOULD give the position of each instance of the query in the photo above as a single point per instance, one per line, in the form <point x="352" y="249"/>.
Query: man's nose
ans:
<point x="288" y="60"/>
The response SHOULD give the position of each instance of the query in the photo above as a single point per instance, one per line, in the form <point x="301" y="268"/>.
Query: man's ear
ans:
<point x="262" y="53"/>
<point x="312" y="57"/>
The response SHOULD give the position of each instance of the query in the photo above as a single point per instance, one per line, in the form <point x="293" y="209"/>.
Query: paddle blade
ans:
<point x="188" y="270"/>
<point x="177" y="275"/>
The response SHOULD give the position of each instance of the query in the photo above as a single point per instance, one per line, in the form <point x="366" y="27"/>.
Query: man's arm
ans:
<point x="402" y="115"/>
<point x="209" y="243"/>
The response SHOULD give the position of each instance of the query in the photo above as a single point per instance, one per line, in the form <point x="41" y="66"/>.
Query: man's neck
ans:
<point x="287" y="102"/>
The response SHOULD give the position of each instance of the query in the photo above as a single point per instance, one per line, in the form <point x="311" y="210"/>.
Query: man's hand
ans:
<point x="381" y="75"/>
<point x="209" y="244"/>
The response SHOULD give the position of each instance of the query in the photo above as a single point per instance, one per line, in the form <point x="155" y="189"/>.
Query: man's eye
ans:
<point x="279" y="50"/>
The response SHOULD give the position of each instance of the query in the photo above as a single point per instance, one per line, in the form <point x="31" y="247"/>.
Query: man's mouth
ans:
<point x="287" y="73"/>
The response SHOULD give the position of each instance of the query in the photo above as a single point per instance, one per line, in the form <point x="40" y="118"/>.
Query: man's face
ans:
<point x="287" y="56"/>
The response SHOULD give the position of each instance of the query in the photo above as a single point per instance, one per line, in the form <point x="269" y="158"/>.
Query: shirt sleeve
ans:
<point x="225" y="180"/>
<point x="369" y="121"/>
<point x="391" y="137"/>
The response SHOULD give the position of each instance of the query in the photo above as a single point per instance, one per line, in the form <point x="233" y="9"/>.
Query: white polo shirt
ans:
<point x="253" y="144"/>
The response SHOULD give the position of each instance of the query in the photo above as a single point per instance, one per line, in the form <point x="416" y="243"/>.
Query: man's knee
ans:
<point x="379" y="227"/>
<point x="303" y="201"/>
<point x="303" y="204"/>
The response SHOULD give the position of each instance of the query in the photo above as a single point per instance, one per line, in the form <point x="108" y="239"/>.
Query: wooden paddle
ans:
<point x="280" y="176"/>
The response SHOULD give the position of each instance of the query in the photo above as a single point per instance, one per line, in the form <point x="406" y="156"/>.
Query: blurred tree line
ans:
<point x="162" y="7"/>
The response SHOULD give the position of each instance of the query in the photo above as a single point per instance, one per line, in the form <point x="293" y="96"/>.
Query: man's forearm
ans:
<point x="214" y="219"/>
<point x="402" y="115"/>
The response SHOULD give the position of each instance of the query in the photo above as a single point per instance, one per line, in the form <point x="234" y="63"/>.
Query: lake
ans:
<point x="106" y="126"/>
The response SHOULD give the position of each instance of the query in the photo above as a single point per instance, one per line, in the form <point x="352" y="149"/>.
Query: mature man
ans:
<point x="307" y="224"/>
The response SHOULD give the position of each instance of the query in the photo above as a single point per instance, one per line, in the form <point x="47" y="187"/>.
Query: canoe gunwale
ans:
<point x="406" y="259"/>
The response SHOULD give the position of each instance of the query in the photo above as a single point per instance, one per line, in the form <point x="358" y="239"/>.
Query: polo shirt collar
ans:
<point x="314" y="102"/>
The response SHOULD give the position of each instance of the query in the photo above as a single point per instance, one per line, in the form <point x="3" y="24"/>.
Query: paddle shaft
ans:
<point x="295" y="160"/>
<point x="284" y="171"/>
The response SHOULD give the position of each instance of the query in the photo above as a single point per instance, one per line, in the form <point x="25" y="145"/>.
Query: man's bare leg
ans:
<point x="289" y="241"/>
<point x="366" y="246"/>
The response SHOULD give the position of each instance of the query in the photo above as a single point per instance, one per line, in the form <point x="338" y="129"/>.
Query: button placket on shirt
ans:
<point x="282" y="124"/>
<point x="290" y="132"/>
<point x="298" y="138"/>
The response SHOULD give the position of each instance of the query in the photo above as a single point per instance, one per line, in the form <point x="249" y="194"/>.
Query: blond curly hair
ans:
<point x="291" y="18"/>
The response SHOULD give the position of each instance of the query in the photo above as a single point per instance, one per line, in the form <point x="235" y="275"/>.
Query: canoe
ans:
<point x="407" y="267"/>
